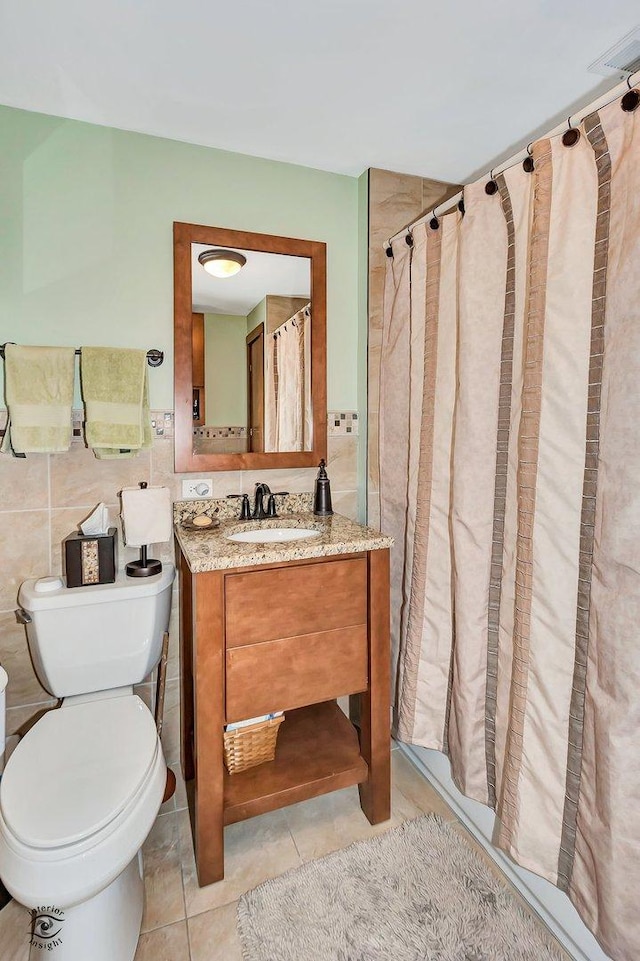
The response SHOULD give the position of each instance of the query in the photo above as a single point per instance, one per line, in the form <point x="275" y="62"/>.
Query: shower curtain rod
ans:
<point x="290" y="320"/>
<point x="620" y="88"/>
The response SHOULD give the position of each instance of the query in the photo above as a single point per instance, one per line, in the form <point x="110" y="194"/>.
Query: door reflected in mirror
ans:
<point x="251" y="344"/>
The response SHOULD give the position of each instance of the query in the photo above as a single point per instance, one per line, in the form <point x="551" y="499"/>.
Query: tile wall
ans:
<point x="43" y="498"/>
<point x="395" y="200"/>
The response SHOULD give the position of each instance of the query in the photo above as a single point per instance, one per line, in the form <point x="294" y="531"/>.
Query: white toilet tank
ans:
<point x="86" y="639"/>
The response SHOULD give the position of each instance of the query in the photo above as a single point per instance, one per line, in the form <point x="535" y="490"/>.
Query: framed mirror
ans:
<point x="250" y="366"/>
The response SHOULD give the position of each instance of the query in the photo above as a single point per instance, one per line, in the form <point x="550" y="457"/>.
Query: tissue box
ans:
<point x="90" y="558"/>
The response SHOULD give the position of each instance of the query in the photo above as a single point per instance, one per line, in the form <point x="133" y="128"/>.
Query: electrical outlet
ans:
<point x="196" y="487"/>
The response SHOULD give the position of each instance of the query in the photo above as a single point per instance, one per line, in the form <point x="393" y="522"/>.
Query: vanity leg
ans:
<point x="186" y="672"/>
<point x="208" y="661"/>
<point x="375" y="722"/>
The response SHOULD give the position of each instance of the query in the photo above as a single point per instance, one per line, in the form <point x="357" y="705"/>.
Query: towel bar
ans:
<point x="154" y="356"/>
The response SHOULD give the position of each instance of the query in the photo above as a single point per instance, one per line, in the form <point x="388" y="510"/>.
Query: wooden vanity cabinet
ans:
<point x="293" y="637"/>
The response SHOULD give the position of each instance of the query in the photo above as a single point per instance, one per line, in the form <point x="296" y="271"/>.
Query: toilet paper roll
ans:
<point x="146" y="515"/>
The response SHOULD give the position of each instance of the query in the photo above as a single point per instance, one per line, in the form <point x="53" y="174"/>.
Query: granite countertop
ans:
<point x="210" y="550"/>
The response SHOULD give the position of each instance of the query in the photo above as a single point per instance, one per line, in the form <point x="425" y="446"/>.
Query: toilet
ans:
<point x="82" y="789"/>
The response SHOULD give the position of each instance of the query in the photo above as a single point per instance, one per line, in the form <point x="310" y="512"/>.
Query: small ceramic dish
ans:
<point x="190" y="526"/>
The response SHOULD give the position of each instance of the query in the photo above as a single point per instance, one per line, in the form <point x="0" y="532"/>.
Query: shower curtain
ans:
<point x="288" y="382"/>
<point x="510" y="480"/>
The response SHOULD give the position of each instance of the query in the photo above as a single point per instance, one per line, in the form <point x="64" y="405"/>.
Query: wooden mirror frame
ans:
<point x="186" y="461"/>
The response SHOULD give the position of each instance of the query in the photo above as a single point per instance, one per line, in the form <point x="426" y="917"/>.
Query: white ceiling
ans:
<point x="261" y="275"/>
<point x="442" y="90"/>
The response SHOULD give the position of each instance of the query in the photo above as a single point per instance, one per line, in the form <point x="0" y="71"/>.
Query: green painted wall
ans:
<point x="257" y="316"/>
<point x="225" y="370"/>
<point x="86" y="251"/>
<point x="363" y="340"/>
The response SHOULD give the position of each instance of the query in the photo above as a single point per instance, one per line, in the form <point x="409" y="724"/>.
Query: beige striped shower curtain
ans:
<point x="510" y="480"/>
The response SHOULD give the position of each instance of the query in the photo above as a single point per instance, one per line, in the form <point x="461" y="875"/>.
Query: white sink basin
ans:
<point x="272" y="535"/>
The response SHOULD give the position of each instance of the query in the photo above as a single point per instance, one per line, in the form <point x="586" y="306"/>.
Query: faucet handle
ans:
<point x="245" y="509"/>
<point x="271" y="503"/>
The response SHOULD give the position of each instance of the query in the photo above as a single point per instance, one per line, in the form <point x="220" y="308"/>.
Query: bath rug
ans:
<point x="417" y="893"/>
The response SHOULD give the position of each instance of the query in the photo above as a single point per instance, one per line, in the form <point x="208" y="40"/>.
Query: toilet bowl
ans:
<point x="82" y="789"/>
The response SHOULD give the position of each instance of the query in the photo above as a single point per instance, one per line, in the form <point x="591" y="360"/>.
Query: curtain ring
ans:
<point x="528" y="162"/>
<point x="409" y="239"/>
<point x="490" y="187"/>
<point x="389" y="250"/>
<point x="461" y="205"/>
<point x="434" y="223"/>
<point x="571" y="136"/>
<point x="631" y="99"/>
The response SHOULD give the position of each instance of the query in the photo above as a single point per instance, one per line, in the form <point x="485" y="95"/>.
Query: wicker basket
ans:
<point x="248" y="746"/>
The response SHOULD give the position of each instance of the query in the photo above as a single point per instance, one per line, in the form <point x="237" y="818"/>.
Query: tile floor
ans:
<point x="183" y="922"/>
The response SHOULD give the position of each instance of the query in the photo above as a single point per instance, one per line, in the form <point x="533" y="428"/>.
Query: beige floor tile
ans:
<point x="213" y="936"/>
<point x="15" y="932"/>
<point x="255" y="850"/>
<point x="164" y="944"/>
<point x="181" y="790"/>
<point x="416" y="788"/>
<point x="163" y="897"/>
<point x="171" y="722"/>
<point x="335" y="820"/>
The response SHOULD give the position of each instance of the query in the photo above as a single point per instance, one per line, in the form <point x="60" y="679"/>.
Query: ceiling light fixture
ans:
<point x="222" y="263"/>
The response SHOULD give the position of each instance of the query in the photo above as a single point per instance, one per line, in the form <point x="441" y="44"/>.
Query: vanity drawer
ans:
<point x="278" y="675"/>
<point x="293" y="600"/>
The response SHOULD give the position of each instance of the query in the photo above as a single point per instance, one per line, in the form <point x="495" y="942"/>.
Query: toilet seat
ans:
<point x="76" y="770"/>
<point x="40" y="864"/>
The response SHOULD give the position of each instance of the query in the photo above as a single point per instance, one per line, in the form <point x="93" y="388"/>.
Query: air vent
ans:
<point x="622" y="60"/>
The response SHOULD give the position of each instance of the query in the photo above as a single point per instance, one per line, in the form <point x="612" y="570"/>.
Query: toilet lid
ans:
<point x="76" y="769"/>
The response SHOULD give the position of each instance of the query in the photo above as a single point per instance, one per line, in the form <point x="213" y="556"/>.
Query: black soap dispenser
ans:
<point x="322" y="497"/>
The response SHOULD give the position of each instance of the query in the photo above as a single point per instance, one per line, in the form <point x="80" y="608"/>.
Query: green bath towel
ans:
<point x="114" y="389"/>
<point x="39" y="392"/>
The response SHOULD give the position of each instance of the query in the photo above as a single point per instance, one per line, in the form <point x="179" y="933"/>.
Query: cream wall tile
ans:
<point x="213" y="936"/>
<point x="24" y="482"/>
<point x="164" y="944"/>
<point x="23" y="687"/>
<point x="373" y="452"/>
<point x="79" y="479"/>
<point x="342" y="462"/>
<point x="24" y="551"/>
<point x="163" y="900"/>
<point x="255" y="850"/>
<point x="224" y="482"/>
<point x="373" y="518"/>
<point x="296" y="481"/>
<point x="346" y="502"/>
<point x="21" y="719"/>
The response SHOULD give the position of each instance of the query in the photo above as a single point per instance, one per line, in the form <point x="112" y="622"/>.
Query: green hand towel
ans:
<point x="39" y="392"/>
<point x="114" y="388"/>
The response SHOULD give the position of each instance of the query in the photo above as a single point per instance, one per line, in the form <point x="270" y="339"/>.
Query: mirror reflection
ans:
<point x="251" y="351"/>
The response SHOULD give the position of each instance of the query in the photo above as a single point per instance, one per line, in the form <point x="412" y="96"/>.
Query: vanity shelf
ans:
<point x="317" y="752"/>
<point x="293" y="635"/>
